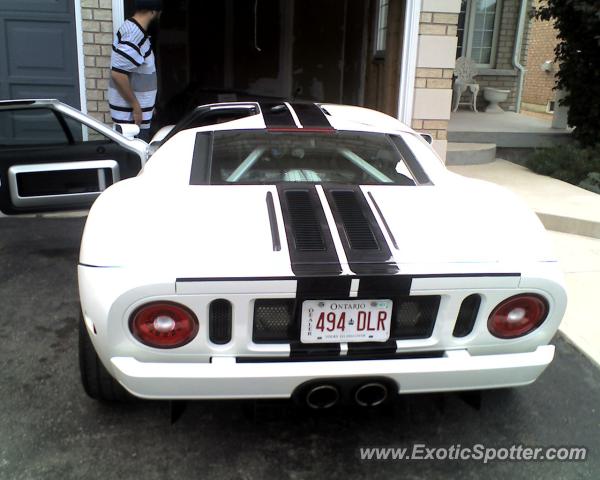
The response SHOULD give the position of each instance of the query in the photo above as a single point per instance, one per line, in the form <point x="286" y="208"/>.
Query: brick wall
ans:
<point x="539" y="83"/>
<point x="97" y="44"/>
<point x="433" y="78"/>
<point x="435" y="68"/>
<point x="503" y="75"/>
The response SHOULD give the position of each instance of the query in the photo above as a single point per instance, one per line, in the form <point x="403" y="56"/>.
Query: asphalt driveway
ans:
<point x="49" y="429"/>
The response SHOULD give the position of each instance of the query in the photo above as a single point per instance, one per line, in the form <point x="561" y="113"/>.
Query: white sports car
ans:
<point x="276" y="250"/>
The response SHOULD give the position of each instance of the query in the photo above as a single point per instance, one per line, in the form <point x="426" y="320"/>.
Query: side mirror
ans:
<point x="128" y="130"/>
<point x="428" y="138"/>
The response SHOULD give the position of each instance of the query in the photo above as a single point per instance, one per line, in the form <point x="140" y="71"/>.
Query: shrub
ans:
<point x="570" y="163"/>
<point x="578" y="54"/>
<point x="591" y="182"/>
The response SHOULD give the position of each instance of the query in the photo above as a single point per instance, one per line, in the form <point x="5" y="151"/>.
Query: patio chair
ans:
<point x="465" y="71"/>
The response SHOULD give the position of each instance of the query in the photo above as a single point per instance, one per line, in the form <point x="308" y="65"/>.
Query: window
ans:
<point x="478" y="27"/>
<point x="38" y="126"/>
<point x="83" y="133"/>
<point x="482" y="38"/>
<point x="356" y="158"/>
<point x="43" y="126"/>
<point x="382" y="27"/>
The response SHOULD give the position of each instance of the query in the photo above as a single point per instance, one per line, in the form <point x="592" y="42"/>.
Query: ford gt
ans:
<point x="292" y="250"/>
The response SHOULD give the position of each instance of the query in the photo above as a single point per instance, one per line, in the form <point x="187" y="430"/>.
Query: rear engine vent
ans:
<point x="467" y="316"/>
<point x="415" y="317"/>
<point x="219" y="323"/>
<point x="306" y="228"/>
<point x="357" y="228"/>
<point x="273" y="320"/>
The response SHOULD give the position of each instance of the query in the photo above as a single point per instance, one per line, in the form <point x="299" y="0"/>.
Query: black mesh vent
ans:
<point x="357" y="228"/>
<point x="305" y="225"/>
<point x="415" y="317"/>
<point x="467" y="316"/>
<point x="273" y="320"/>
<point x="219" y="324"/>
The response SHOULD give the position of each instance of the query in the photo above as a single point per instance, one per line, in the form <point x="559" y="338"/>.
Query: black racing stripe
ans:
<point x="310" y="115"/>
<point x="312" y="252"/>
<point x="372" y="349"/>
<point x="277" y="115"/>
<point x="317" y="288"/>
<point x="366" y="248"/>
<point x="384" y="286"/>
<point x="323" y="288"/>
<point x="381" y="286"/>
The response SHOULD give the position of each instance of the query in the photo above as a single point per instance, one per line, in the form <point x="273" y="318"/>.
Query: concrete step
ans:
<point x="470" y="153"/>
<point x="506" y="129"/>
<point x="513" y="139"/>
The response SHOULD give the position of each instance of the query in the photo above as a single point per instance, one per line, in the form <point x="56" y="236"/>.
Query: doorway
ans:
<point x="229" y="50"/>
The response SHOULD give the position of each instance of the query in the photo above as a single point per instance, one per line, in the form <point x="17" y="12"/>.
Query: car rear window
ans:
<point x="268" y="157"/>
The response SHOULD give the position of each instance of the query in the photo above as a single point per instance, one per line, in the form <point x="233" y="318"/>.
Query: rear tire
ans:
<point x="96" y="380"/>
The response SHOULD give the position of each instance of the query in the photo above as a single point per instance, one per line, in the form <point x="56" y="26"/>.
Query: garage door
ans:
<point x="38" y="50"/>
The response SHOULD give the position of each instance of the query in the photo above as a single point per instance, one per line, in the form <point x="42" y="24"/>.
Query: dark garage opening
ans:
<point x="229" y="50"/>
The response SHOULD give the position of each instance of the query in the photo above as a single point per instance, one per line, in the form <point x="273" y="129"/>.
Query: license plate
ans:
<point x="341" y="321"/>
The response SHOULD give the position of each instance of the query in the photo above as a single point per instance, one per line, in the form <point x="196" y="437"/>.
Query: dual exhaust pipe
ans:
<point x="327" y="395"/>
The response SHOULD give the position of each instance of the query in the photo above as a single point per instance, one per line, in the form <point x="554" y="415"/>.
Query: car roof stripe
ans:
<point x="311" y="115"/>
<point x="277" y="115"/>
<point x="294" y="115"/>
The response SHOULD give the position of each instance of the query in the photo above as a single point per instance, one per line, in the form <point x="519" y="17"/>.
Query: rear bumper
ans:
<point x="223" y="378"/>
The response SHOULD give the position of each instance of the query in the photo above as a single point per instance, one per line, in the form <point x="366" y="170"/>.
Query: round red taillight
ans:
<point x="517" y="316"/>
<point x="164" y="325"/>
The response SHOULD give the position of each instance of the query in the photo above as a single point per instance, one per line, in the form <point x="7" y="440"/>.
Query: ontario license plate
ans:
<point x="333" y="321"/>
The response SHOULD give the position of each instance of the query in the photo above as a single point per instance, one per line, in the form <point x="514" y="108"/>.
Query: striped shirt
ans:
<point x="132" y="55"/>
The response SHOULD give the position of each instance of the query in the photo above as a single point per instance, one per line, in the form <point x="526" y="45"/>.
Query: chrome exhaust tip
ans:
<point x="371" y="394"/>
<point x="322" y="396"/>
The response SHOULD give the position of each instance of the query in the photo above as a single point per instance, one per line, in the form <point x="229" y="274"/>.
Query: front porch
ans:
<point x="506" y="130"/>
<point x="474" y="137"/>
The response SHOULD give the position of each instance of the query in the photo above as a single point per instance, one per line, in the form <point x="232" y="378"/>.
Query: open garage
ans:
<point x="339" y="51"/>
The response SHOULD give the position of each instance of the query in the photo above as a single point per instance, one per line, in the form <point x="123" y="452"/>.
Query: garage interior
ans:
<point x="309" y="50"/>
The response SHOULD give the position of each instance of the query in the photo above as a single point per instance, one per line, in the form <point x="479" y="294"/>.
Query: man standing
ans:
<point x="133" y="84"/>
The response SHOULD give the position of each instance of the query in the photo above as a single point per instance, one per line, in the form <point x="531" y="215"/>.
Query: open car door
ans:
<point x="55" y="158"/>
